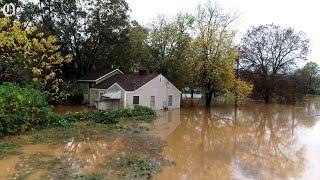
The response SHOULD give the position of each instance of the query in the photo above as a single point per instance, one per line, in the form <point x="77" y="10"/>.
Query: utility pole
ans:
<point x="294" y="88"/>
<point x="237" y="78"/>
<point x="236" y="93"/>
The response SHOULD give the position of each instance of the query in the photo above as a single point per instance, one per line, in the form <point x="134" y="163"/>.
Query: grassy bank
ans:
<point x="118" y="138"/>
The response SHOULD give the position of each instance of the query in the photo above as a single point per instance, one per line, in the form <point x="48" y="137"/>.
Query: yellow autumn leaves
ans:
<point x="27" y="54"/>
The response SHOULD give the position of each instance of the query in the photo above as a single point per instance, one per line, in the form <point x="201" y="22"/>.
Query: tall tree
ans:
<point x="94" y="31"/>
<point x="169" y="43"/>
<point x="308" y="77"/>
<point x="270" y="50"/>
<point x="27" y="56"/>
<point x="137" y="49"/>
<point x="214" y="50"/>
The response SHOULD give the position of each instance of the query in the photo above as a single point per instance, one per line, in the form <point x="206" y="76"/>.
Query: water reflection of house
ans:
<point x="112" y="89"/>
<point x="166" y="123"/>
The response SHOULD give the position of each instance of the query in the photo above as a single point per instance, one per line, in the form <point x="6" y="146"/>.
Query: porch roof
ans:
<point x="112" y="95"/>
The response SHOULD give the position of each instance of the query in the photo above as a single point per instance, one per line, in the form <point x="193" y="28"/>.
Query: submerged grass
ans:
<point x="7" y="149"/>
<point x="92" y="176"/>
<point x="52" y="167"/>
<point x="143" y="164"/>
<point x="135" y="166"/>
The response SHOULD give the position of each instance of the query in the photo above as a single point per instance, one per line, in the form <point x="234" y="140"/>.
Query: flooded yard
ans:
<point x="253" y="141"/>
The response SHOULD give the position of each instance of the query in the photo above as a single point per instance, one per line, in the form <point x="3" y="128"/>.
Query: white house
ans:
<point x="115" y="90"/>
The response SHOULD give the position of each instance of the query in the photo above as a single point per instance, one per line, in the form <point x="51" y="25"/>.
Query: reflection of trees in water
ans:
<point x="260" y="143"/>
<point x="267" y="147"/>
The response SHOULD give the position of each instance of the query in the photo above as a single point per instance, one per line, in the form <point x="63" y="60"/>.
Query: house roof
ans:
<point x="129" y="82"/>
<point x="94" y="76"/>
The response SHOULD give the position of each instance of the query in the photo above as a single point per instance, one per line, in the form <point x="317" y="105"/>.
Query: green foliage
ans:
<point x="7" y="149"/>
<point x="169" y="44"/>
<point x="23" y="109"/>
<point x="27" y="56"/>
<point x="105" y="117"/>
<point x="74" y="92"/>
<point x="89" y="177"/>
<point x="140" y="113"/>
<point x="139" y="167"/>
<point x="112" y="117"/>
<point x="63" y="123"/>
<point x="94" y="31"/>
<point x="308" y="79"/>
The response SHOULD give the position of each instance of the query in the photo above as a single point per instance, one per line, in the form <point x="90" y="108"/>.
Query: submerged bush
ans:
<point x="7" y="149"/>
<point x="141" y="113"/>
<point x="22" y="109"/>
<point x="135" y="166"/>
<point x="113" y="117"/>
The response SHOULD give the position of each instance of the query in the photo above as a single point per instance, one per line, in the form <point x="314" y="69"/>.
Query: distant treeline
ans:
<point x="193" y="50"/>
<point x="286" y="88"/>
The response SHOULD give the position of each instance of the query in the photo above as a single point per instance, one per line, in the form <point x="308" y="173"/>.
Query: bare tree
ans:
<point x="270" y="50"/>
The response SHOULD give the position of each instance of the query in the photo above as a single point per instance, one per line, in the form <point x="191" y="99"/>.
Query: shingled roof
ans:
<point x="129" y="82"/>
<point x="93" y="76"/>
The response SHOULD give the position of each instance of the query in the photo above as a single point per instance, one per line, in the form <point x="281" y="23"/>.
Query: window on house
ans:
<point x="160" y="79"/>
<point x="153" y="102"/>
<point x="135" y="100"/>
<point x="170" y="100"/>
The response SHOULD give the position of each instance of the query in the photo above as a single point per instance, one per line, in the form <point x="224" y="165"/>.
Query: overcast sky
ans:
<point x="302" y="15"/>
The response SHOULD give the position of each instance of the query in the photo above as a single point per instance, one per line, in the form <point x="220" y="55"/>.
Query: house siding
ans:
<point x="115" y="88"/>
<point x="95" y="94"/>
<point x="161" y="91"/>
<point x="86" y="92"/>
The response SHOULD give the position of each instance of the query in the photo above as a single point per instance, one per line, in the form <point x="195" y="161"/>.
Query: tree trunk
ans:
<point x="267" y="91"/>
<point x="267" y="96"/>
<point x="192" y="92"/>
<point x="208" y="99"/>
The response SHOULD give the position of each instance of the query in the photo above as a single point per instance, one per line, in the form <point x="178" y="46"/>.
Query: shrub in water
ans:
<point x="141" y="113"/>
<point x="22" y="109"/>
<point x="112" y="117"/>
<point x="106" y="117"/>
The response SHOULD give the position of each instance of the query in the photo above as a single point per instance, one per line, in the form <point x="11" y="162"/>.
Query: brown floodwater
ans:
<point x="71" y="109"/>
<point x="253" y="141"/>
<point x="83" y="157"/>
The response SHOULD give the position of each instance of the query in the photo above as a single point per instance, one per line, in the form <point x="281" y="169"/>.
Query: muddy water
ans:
<point x="71" y="109"/>
<point x="83" y="157"/>
<point x="255" y="141"/>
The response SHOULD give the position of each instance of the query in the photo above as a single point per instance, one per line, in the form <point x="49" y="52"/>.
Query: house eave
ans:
<point x="86" y="81"/>
<point x="100" y="78"/>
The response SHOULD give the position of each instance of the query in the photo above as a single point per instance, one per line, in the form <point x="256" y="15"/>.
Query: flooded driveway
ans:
<point x="255" y="141"/>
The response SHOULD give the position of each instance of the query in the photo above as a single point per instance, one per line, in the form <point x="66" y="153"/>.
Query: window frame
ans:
<point x="133" y="100"/>
<point x="153" y="102"/>
<point x="170" y="104"/>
